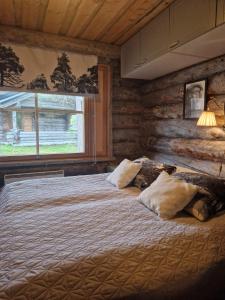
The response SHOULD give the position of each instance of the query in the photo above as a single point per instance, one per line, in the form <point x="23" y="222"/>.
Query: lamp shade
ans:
<point x="207" y="118"/>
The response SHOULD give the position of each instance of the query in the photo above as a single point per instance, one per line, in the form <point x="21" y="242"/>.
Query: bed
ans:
<point x="82" y="238"/>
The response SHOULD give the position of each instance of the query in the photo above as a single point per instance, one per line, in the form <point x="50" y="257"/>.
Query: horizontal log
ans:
<point x="181" y="129"/>
<point x="128" y="108"/>
<point x="123" y="93"/>
<point x="125" y="121"/>
<point x="172" y="94"/>
<point x="216" y="104"/>
<point x="208" y="167"/>
<point x="196" y="72"/>
<point x="166" y="111"/>
<point x="10" y="34"/>
<point x="216" y="84"/>
<point x="126" y="135"/>
<point x="127" y="83"/>
<point x="127" y="149"/>
<point x="196" y="148"/>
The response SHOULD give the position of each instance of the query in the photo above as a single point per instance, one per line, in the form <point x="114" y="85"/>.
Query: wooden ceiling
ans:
<point x="109" y="21"/>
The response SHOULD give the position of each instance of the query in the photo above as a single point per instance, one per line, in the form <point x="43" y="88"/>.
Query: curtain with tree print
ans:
<point x="28" y="68"/>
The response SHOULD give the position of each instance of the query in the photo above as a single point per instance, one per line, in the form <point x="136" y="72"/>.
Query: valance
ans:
<point x="25" y="68"/>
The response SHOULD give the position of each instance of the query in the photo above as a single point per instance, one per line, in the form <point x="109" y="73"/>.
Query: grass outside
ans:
<point x="10" y="150"/>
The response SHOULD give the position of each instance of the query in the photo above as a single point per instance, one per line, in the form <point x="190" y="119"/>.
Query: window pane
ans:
<point x="17" y="101"/>
<point x="17" y="124"/>
<point x="60" y="102"/>
<point x="61" y="124"/>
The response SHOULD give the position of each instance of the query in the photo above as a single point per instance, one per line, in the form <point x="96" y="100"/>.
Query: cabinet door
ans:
<point x="189" y="19"/>
<point x="130" y="55"/>
<point x="154" y="37"/>
<point x="220" y="17"/>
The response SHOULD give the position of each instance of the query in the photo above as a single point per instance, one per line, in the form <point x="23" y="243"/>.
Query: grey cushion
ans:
<point x="212" y="184"/>
<point x="204" y="205"/>
<point x="150" y="170"/>
<point x="211" y="198"/>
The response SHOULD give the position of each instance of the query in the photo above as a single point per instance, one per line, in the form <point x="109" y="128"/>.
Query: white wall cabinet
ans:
<point x="190" y="19"/>
<point x="220" y="18"/>
<point x="130" y="55"/>
<point x="169" y="33"/>
<point x="154" y="38"/>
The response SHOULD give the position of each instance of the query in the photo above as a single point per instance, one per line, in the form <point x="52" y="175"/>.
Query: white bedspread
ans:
<point x="81" y="238"/>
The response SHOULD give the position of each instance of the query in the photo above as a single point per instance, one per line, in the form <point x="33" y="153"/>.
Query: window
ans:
<point x="35" y="124"/>
<point x="39" y="126"/>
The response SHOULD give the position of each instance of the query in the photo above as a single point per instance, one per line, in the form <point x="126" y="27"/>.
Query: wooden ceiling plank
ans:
<point x="141" y="23"/>
<point x="55" y="15"/>
<point x="70" y="15"/>
<point x="105" y="18"/>
<point x="18" y="12"/>
<point x="42" y="13"/>
<point x="109" y="21"/>
<point x="85" y="12"/>
<point x="31" y="13"/>
<point x="129" y="18"/>
<point x="114" y="20"/>
<point x="7" y="14"/>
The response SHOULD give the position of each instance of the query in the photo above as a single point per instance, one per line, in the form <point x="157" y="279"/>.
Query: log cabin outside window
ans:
<point x="35" y="124"/>
<point x="44" y="126"/>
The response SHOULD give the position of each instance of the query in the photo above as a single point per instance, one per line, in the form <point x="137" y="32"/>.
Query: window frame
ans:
<point x="89" y="115"/>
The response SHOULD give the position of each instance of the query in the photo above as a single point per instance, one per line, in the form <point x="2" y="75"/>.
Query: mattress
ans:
<point x="81" y="238"/>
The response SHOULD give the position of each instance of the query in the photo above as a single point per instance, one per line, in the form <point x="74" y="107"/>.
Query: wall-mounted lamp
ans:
<point x="207" y="118"/>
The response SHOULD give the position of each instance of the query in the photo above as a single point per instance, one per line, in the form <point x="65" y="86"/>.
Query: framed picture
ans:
<point x="194" y="99"/>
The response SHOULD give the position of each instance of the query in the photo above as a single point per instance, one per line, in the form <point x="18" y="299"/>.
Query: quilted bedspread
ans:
<point x="81" y="238"/>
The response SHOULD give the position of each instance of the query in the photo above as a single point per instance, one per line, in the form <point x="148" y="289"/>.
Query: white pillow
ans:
<point x="168" y="195"/>
<point x="124" y="173"/>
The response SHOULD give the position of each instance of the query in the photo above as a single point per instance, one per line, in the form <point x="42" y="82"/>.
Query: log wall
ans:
<point x="126" y="115"/>
<point x="167" y="136"/>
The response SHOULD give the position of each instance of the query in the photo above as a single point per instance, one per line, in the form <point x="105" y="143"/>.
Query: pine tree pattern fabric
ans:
<point x="34" y="69"/>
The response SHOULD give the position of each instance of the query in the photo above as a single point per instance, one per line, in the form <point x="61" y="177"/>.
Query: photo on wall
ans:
<point x="194" y="99"/>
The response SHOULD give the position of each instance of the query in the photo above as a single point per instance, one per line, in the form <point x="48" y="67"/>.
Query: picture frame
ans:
<point x="194" y="99"/>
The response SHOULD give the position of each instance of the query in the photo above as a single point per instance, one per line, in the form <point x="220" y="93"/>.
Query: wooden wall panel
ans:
<point x="166" y="133"/>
